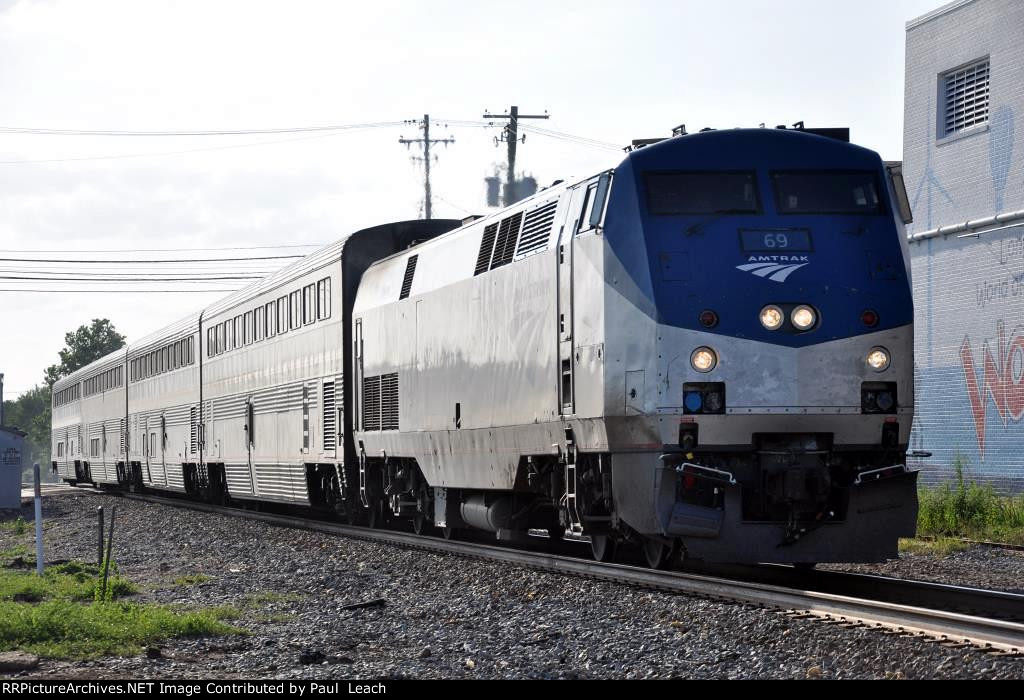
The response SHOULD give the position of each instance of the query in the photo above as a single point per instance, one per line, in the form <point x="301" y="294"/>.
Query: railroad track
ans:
<point x="949" y="615"/>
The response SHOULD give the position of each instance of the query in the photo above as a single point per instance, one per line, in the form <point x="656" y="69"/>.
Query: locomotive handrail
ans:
<point x="708" y="472"/>
<point x="879" y="473"/>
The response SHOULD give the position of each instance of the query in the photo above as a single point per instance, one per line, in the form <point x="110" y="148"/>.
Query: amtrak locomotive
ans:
<point x="706" y="352"/>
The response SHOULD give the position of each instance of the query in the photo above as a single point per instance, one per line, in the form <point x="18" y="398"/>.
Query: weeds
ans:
<point x="51" y="615"/>
<point x="967" y="509"/>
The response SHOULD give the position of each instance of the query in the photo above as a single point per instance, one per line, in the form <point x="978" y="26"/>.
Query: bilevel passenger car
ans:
<point x="706" y="351"/>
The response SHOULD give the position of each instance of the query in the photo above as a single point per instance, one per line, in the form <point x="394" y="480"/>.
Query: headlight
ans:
<point x="878" y="359"/>
<point x="703" y="359"/>
<point x="771" y="317"/>
<point x="804" y="318"/>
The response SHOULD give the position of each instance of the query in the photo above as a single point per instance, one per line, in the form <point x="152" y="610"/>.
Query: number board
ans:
<point x="775" y="240"/>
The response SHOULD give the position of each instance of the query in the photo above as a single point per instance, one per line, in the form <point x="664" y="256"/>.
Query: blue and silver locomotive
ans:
<point x="706" y="351"/>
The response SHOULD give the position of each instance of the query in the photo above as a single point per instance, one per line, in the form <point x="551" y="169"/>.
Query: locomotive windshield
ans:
<point x="807" y="192"/>
<point x="679" y="193"/>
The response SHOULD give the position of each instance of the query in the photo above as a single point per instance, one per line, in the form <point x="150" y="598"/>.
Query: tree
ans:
<point x="30" y="412"/>
<point x="86" y="344"/>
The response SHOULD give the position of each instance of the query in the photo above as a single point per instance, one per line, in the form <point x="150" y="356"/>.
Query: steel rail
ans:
<point x="944" y="626"/>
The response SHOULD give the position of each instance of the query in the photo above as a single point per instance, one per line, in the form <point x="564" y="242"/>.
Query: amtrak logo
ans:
<point x="777" y="268"/>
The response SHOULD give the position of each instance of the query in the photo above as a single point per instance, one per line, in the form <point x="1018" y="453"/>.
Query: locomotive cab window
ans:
<point x="827" y="192"/>
<point x="689" y="193"/>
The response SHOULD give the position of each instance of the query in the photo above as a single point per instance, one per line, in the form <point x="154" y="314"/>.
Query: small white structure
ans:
<point x="12" y="449"/>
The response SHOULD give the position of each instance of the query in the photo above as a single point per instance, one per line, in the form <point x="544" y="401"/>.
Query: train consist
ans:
<point x="706" y="351"/>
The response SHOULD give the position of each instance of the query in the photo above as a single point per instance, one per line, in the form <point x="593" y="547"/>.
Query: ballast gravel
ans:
<point x="428" y="615"/>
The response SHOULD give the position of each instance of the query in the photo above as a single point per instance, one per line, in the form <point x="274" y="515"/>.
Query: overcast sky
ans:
<point x="610" y="71"/>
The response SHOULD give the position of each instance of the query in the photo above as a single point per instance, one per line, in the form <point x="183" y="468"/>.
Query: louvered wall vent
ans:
<point x="483" y="258"/>
<point x="966" y="97"/>
<point x="330" y="417"/>
<point x="193" y="441"/>
<point x="389" y="401"/>
<point x="537" y="229"/>
<point x="508" y="234"/>
<point x="410" y="270"/>
<point x="380" y="402"/>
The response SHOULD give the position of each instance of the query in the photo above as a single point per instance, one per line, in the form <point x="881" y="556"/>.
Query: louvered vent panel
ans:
<point x="537" y="229"/>
<point x="371" y="403"/>
<point x="505" y="247"/>
<point x="410" y="270"/>
<point x="193" y="440"/>
<point x="389" y="401"/>
<point x="966" y="98"/>
<point x="330" y="418"/>
<point x="483" y="258"/>
<point x="123" y="433"/>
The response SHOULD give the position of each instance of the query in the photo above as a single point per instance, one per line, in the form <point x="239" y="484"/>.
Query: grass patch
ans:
<point x="66" y="629"/>
<point x="191" y="580"/>
<point x="49" y="615"/>
<point x="18" y="526"/>
<point x="967" y="509"/>
<point x="938" y="547"/>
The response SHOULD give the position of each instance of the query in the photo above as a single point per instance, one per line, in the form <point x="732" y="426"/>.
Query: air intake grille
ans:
<point x="410" y="270"/>
<point x="371" y="403"/>
<point x="537" y="228"/>
<point x="330" y="418"/>
<point x="123" y="434"/>
<point x="966" y="97"/>
<point x="193" y="431"/>
<point x="483" y="258"/>
<point x="505" y="248"/>
<point x="380" y="402"/>
<point x="389" y="401"/>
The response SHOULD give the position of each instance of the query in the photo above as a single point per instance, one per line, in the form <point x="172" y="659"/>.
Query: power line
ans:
<point x="150" y="262"/>
<point x="182" y="152"/>
<point x="162" y="250"/>
<point x="189" y="132"/>
<point x="572" y="138"/>
<point x="132" y="280"/>
<point x="122" y="291"/>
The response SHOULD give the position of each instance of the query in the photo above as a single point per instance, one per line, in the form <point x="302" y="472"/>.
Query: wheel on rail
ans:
<point x="420" y="524"/>
<point x="656" y="552"/>
<point x="375" y="517"/>
<point x="449" y="532"/>
<point x="603" y="547"/>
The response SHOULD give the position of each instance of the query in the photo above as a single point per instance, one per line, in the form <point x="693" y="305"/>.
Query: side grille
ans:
<point x="389" y="401"/>
<point x="505" y="248"/>
<point x="123" y="433"/>
<point x="483" y="258"/>
<point x="537" y="229"/>
<point x="410" y="270"/>
<point x="371" y="403"/>
<point x="193" y="440"/>
<point x="330" y="417"/>
<point x="380" y="402"/>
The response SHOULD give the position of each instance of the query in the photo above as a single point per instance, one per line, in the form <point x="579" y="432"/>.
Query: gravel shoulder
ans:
<point x="978" y="566"/>
<point x="439" y="616"/>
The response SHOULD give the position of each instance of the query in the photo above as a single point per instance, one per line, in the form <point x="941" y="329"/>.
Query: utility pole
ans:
<point x="510" y="135"/>
<point x="426" y="141"/>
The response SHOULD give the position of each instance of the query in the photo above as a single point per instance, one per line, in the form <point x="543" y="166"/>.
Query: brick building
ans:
<point x="964" y="168"/>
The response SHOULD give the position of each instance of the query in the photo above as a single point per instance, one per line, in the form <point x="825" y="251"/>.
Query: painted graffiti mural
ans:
<point x="1000" y="378"/>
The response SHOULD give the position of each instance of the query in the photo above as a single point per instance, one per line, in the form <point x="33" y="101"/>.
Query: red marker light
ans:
<point x="689" y="482"/>
<point x="708" y="318"/>
<point x="869" y="318"/>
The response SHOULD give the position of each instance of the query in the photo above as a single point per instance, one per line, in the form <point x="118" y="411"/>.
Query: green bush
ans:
<point x="967" y="509"/>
